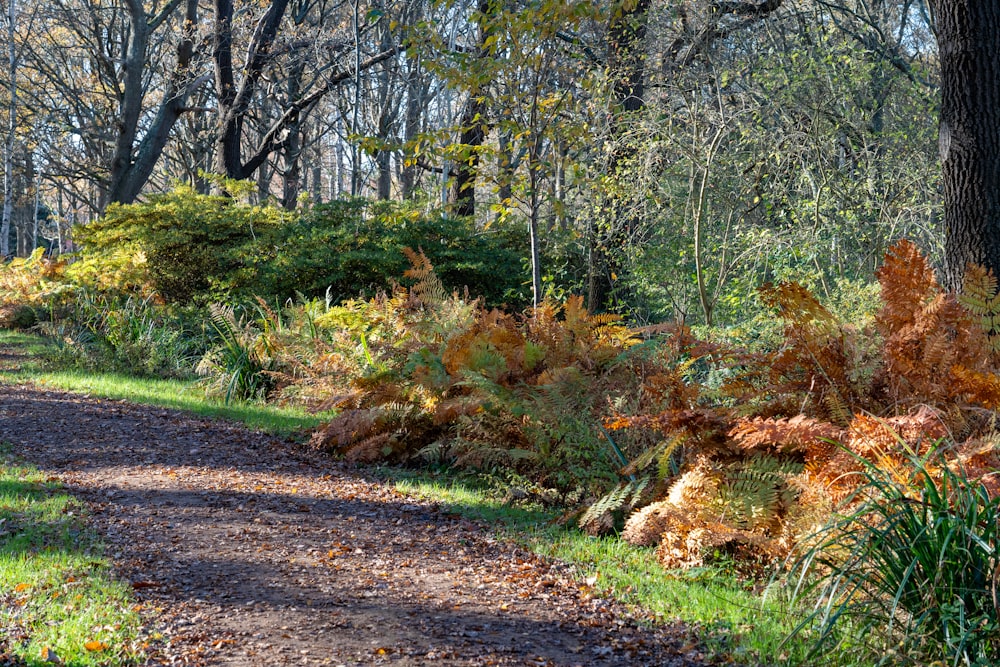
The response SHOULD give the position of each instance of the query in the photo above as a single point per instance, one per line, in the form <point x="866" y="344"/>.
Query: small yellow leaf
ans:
<point x="20" y="588"/>
<point x="48" y="655"/>
<point x="94" y="645"/>
<point x="614" y="276"/>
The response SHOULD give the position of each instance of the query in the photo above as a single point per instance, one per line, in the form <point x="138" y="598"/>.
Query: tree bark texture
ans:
<point x="132" y="165"/>
<point x="968" y="34"/>
<point x="235" y="97"/>
<point x="8" y="157"/>
<point x="473" y="122"/>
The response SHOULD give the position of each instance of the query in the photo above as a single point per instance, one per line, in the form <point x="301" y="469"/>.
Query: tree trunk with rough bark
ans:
<point x="133" y="164"/>
<point x="473" y="122"/>
<point x="968" y="33"/>
<point x="8" y="156"/>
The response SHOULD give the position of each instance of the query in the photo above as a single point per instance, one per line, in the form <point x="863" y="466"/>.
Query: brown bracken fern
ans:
<point x="765" y="455"/>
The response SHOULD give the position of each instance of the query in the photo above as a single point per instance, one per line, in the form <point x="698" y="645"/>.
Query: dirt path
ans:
<point x="256" y="552"/>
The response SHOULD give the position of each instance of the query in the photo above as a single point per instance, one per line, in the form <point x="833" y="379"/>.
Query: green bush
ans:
<point x="181" y="245"/>
<point x="188" y="247"/>
<point x="348" y="248"/>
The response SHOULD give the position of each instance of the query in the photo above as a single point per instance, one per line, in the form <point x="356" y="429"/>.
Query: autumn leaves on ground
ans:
<point x="245" y="550"/>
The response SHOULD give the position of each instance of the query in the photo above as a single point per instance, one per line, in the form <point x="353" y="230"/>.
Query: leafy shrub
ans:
<point x="347" y="248"/>
<point x="750" y="434"/>
<point x="188" y="247"/>
<point x="181" y="245"/>
<point x="910" y="572"/>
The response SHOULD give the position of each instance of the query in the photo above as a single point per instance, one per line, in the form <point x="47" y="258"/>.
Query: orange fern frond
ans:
<point x="908" y="285"/>
<point x="369" y="449"/>
<point x="420" y="265"/>
<point x="451" y="409"/>
<point x="348" y="427"/>
<point x="428" y="290"/>
<point x="799" y="433"/>
<point x="977" y="388"/>
<point x="918" y="431"/>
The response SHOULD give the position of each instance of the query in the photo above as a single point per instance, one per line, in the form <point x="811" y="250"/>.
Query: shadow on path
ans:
<point x="258" y="553"/>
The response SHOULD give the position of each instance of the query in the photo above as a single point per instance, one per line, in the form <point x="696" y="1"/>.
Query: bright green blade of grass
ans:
<point x="178" y="394"/>
<point x="57" y="592"/>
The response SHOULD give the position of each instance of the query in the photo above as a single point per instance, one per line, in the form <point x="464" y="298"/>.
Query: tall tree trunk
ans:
<point x="132" y="165"/>
<point x="626" y="59"/>
<point x="463" y="192"/>
<point x="387" y="110"/>
<point x="416" y="91"/>
<point x="968" y="33"/>
<point x="234" y="98"/>
<point x="356" y="111"/>
<point x="8" y="156"/>
<point x="505" y="172"/>
<point x="291" y="173"/>
<point x="473" y="122"/>
<point x="291" y="149"/>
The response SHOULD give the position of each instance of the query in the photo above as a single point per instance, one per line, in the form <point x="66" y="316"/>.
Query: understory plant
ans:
<point x="421" y="373"/>
<point x="30" y="288"/>
<point x="756" y="449"/>
<point x="121" y="333"/>
<point x="238" y="365"/>
<point x="909" y="573"/>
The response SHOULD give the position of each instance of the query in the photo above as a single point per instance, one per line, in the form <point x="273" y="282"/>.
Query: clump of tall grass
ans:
<point x="125" y="334"/>
<point x="910" y="573"/>
<point x="239" y="366"/>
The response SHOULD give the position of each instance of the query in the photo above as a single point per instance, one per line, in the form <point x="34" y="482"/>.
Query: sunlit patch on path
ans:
<point x="252" y="551"/>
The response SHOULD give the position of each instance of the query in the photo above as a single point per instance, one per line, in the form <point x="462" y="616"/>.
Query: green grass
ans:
<point x="179" y="394"/>
<point x="732" y="618"/>
<point x="57" y="591"/>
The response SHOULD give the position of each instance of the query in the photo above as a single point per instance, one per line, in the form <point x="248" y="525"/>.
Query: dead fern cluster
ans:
<point x="435" y="375"/>
<point x="759" y="459"/>
<point x="29" y="285"/>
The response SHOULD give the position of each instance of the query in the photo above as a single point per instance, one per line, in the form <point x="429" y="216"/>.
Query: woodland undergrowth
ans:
<point x="756" y="450"/>
<point x="706" y="450"/>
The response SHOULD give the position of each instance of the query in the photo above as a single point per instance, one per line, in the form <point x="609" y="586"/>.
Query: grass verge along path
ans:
<point x="731" y="615"/>
<point x="728" y="613"/>
<point x="59" y="601"/>
<point x="30" y="351"/>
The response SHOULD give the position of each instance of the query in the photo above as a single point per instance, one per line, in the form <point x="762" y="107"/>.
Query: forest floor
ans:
<point x="248" y="550"/>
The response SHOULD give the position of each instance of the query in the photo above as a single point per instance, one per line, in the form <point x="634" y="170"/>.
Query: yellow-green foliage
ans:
<point x="28" y="285"/>
<point x="181" y="245"/>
